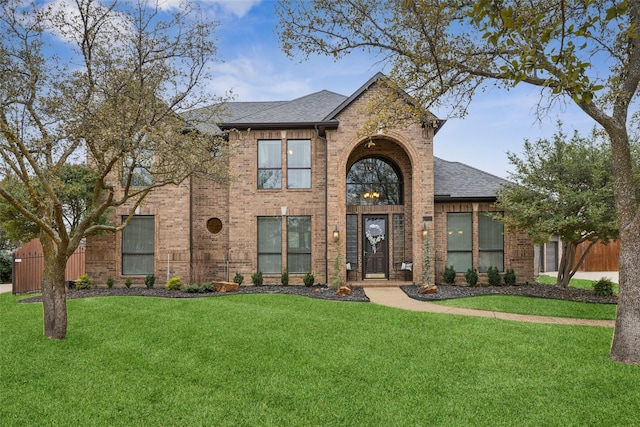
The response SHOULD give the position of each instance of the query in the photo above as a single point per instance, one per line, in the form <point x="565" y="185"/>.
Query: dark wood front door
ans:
<point x="375" y="246"/>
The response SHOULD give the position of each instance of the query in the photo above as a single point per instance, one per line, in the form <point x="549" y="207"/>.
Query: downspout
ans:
<point x="326" y="204"/>
<point x="190" y="229"/>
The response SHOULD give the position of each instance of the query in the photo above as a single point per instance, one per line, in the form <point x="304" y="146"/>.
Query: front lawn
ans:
<point x="267" y="360"/>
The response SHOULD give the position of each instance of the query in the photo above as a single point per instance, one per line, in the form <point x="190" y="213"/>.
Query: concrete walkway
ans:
<point x="5" y="287"/>
<point x="395" y="297"/>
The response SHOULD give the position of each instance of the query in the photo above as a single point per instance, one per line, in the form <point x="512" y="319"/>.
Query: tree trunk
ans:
<point x="565" y="269"/>
<point x="54" y="295"/>
<point x="626" y="338"/>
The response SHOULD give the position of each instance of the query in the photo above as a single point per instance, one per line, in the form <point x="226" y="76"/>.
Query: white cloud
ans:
<point x="238" y="8"/>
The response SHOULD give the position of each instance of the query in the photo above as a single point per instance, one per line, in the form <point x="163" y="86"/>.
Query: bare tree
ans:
<point x="441" y="52"/>
<point x="107" y="81"/>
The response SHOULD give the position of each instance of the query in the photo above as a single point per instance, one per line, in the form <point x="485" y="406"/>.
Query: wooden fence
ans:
<point x="601" y="257"/>
<point x="28" y="265"/>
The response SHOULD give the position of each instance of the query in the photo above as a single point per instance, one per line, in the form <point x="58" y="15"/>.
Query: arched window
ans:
<point x="374" y="181"/>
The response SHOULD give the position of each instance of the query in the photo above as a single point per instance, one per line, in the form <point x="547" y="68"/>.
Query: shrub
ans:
<point x="238" y="278"/>
<point x="6" y="267"/>
<point x="284" y="278"/>
<point x="207" y="287"/>
<point x="471" y="276"/>
<point x="603" y="287"/>
<point x="174" y="284"/>
<point x="192" y="289"/>
<point x="83" y="282"/>
<point x="509" y="277"/>
<point x="449" y="275"/>
<point x="493" y="275"/>
<point x="309" y="279"/>
<point x="109" y="282"/>
<point x="257" y="279"/>
<point x="150" y="280"/>
<point x="128" y="282"/>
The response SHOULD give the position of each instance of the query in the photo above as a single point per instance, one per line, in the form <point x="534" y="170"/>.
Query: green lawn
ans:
<point x="272" y="360"/>
<point x="540" y="306"/>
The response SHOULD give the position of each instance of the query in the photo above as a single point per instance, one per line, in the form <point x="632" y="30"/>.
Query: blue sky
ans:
<point x="257" y="70"/>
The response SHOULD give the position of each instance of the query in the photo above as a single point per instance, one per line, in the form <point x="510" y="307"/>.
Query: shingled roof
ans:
<point x="457" y="181"/>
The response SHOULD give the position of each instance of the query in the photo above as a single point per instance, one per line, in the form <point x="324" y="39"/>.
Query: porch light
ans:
<point x="336" y="234"/>
<point x="425" y="232"/>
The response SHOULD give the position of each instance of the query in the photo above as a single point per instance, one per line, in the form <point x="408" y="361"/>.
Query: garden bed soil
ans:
<point x="527" y="290"/>
<point x="444" y="292"/>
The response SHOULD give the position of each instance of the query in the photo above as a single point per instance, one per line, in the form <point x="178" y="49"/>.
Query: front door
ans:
<point x="375" y="245"/>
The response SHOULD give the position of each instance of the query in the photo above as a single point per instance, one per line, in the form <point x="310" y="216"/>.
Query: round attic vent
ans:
<point x="214" y="225"/>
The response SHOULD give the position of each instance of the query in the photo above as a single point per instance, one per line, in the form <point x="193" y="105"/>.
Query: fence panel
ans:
<point x="601" y="257"/>
<point x="28" y="265"/>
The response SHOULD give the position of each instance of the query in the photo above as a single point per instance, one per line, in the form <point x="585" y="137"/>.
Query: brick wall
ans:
<point x="518" y="247"/>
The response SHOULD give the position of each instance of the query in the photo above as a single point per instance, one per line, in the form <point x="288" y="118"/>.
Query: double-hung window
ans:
<point x="460" y="241"/>
<point x="138" y="246"/>
<point x="269" y="164"/>
<point x="298" y="163"/>
<point x="270" y="244"/>
<point x="299" y="244"/>
<point x="490" y="243"/>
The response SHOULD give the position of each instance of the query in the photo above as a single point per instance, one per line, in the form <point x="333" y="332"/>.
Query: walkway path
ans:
<point x="395" y="297"/>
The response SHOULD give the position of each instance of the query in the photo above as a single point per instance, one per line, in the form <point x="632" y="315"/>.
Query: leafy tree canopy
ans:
<point x="562" y="187"/>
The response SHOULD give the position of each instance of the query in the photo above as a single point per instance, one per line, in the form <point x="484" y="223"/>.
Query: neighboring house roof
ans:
<point x="455" y="180"/>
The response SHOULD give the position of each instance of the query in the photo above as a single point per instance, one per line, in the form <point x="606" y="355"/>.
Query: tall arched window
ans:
<point x="374" y="181"/>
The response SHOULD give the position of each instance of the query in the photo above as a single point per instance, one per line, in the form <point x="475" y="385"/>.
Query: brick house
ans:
<point x="308" y="193"/>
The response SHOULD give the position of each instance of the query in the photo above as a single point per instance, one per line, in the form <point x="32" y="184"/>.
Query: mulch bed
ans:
<point x="527" y="290"/>
<point x="357" y="293"/>
<point x="317" y="291"/>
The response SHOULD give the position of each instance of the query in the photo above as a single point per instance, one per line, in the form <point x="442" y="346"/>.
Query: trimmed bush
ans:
<point x="207" y="287"/>
<point x="509" y="277"/>
<point x="449" y="275"/>
<point x="493" y="276"/>
<point x="150" y="280"/>
<point x="83" y="282"/>
<point x="257" y="279"/>
<point x="109" y="282"/>
<point x="6" y="267"/>
<point x="309" y="279"/>
<point x="471" y="276"/>
<point x="238" y="278"/>
<point x="603" y="287"/>
<point x="284" y="278"/>
<point x="192" y="289"/>
<point x="174" y="284"/>
<point x="128" y="282"/>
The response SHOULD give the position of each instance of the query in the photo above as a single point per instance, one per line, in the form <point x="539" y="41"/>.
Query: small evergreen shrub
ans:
<point x="471" y="276"/>
<point x="509" y="277"/>
<point x="493" y="276"/>
<point x="284" y="278"/>
<point x="207" y="287"/>
<point x="192" y="289"/>
<point x="109" y="282"/>
<point x="150" y="280"/>
<point x="238" y="278"/>
<point x="128" y="282"/>
<point x="449" y="275"/>
<point x="83" y="282"/>
<point x="308" y="279"/>
<point x="257" y="279"/>
<point x="174" y="284"/>
<point x="603" y="287"/>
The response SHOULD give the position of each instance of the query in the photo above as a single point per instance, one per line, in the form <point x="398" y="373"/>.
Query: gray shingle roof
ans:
<point x="455" y="180"/>
<point x="312" y="108"/>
